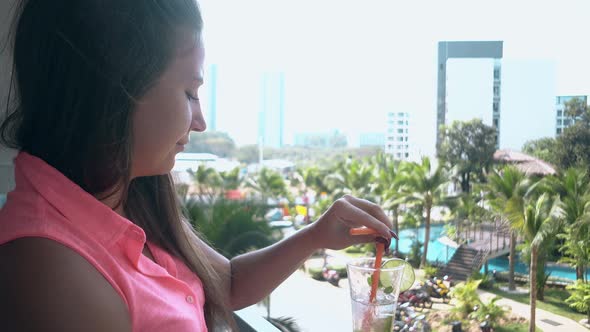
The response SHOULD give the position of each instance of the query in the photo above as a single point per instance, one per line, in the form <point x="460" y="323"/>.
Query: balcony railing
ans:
<point x="250" y="320"/>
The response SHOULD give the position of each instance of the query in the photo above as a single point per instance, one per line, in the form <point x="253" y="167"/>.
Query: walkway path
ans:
<point x="546" y="320"/>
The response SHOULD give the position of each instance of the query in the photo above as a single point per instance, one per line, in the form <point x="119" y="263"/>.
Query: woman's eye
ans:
<point x="191" y="98"/>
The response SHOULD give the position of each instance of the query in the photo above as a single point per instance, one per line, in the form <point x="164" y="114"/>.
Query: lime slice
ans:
<point x="408" y="277"/>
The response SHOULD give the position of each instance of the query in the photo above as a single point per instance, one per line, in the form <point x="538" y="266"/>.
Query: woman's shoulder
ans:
<point x="45" y="281"/>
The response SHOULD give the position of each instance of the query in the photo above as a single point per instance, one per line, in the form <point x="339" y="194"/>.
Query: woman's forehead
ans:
<point x="189" y="43"/>
<point x="189" y="61"/>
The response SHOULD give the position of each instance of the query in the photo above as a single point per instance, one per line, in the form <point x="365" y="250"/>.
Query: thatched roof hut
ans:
<point x="527" y="164"/>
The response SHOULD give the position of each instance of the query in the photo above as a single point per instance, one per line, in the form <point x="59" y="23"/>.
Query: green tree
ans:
<point x="267" y="183"/>
<point x="233" y="227"/>
<point x="425" y="187"/>
<point x="388" y="187"/>
<point x="539" y="219"/>
<point x="466" y="209"/>
<point x="573" y="188"/>
<point x="353" y="177"/>
<point x="542" y="148"/>
<point x="573" y="147"/>
<point x="231" y="180"/>
<point x="315" y="178"/>
<point x="580" y="298"/>
<point x="247" y="154"/>
<point x="215" y="142"/>
<point x="578" y="110"/>
<point x="207" y="182"/>
<point x="503" y="185"/>
<point x="468" y="146"/>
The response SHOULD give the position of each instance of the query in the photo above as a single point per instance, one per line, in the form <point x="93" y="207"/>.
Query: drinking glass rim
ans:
<point x="350" y="264"/>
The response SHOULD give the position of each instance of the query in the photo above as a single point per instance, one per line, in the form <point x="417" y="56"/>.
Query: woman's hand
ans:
<point x="332" y="229"/>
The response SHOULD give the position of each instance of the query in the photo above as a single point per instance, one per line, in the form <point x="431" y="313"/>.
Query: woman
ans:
<point x="92" y="238"/>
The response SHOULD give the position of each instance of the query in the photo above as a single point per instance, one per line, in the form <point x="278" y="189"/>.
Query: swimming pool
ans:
<point x="501" y="264"/>
<point x="439" y="252"/>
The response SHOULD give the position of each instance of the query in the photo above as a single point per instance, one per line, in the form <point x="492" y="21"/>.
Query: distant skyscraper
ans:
<point x="470" y="50"/>
<point x="271" y="118"/>
<point x="397" y="142"/>
<point x="563" y="121"/>
<point x="528" y="102"/>
<point x="212" y="101"/>
<point x="372" y="139"/>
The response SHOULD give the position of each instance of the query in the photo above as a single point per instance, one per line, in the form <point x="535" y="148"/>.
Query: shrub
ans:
<point x="490" y="311"/>
<point x="465" y="294"/>
<point x="415" y="254"/>
<point x="233" y="227"/>
<point x="316" y="272"/>
<point x="356" y="249"/>
<point x="580" y="298"/>
<point x="486" y="282"/>
<point x="430" y="271"/>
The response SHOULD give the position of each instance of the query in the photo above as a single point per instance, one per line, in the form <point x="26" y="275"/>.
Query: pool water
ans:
<point x="439" y="252"/>
<point x="501" y="264"/>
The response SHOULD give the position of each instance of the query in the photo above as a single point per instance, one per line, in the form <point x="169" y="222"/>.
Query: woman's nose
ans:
<point x="198" y="122"/>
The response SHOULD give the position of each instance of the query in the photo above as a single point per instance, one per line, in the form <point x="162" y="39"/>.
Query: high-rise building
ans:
<point x="332" y="139"/>
<point x="212" y="98"/>
<point x="467" y="50"/>
<point x="397" y="142"/>
<point x="520" y="91"/>
<point x="562" y="120"/>
<point x="271" y="118"/>
<point x="371" y="139"/>
<point x="528" y="101"/>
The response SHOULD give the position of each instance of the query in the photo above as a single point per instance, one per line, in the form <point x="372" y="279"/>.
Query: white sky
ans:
<point x="347" y="63"/>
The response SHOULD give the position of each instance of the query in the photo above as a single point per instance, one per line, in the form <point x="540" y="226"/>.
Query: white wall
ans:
<point x="528" y="102"/>
<point x="6" y="156"/>
<point x="470" y="90"/>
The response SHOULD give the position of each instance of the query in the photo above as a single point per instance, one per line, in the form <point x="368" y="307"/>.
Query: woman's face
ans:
<point x="168" y="112"/>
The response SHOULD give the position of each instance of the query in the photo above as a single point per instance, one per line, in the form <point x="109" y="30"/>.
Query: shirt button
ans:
<point x="190" y="299"/>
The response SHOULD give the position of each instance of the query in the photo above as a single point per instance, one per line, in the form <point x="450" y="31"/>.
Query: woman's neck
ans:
<point x="113" y="201"/>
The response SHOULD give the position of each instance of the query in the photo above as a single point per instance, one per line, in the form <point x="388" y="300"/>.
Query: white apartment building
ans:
<point x="397" y="142"/>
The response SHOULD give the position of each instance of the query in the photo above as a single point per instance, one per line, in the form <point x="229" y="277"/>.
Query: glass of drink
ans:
<point x="374" y="303"/>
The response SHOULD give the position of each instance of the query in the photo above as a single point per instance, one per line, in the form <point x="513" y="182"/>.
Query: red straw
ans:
<point x="378" y="258"/>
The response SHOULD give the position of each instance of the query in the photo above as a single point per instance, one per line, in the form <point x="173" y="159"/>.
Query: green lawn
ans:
<point x="554" y="302"/>
<point x="515" y="328"/>
<point x="512" y="328"/>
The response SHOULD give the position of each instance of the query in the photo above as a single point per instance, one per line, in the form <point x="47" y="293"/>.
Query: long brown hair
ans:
<point x="79" y="68"/>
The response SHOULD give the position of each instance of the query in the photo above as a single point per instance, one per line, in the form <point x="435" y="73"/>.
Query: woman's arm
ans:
<point x="250" y="277"/>
<point x="45" y="286"/>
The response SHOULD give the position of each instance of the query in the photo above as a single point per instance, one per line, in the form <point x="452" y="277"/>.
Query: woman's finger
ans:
<point x="369" y="207"/>
<point x="361" y="239"/>
<point x="355" y="217"/>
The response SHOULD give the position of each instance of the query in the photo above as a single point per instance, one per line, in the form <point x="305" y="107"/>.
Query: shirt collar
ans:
<point x="77" y="205"/>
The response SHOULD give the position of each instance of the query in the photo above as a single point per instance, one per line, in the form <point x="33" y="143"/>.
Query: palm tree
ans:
<point x="231" y="180"/>
<point x="467" y="209"/>
<point x="504" y="185"/>
<point x="388" y="188"/>
<point x="267" y="183"/>
<point x="352" y="177"/>
<point x="206" y="179"/>
<point x="573" y="188"/>
<point x="425" y="187"/>
<point x="537" y="220"/>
